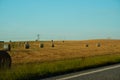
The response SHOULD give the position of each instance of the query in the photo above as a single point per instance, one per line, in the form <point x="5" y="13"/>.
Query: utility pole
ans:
<point x="38" y="37"/>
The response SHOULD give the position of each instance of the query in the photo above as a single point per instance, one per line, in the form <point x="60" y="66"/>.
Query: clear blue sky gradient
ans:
<point x="59" y="19"/>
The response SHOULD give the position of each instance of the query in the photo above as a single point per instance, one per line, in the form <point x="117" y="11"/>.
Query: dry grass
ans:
<point x="68" y="56"/>
<point x="61" y="51"/>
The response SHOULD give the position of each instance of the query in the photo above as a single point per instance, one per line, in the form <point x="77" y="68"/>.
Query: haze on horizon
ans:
<point x="59" y="19"/>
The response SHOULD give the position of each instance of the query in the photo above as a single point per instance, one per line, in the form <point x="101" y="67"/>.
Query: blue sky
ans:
<point x="59" y="19"/>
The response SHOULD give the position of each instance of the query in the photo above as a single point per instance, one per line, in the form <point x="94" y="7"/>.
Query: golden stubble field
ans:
<point x="62" y="50"/>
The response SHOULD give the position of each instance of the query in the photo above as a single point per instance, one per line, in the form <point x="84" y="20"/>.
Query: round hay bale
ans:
<point x="42" y="45"/>
<point x="5" y="60"/>
<point x="86" y="45"/>
<point x="98" y="45"/>
<point x="7" y="47"/>
<point x="53" y="45"/>
<point x="27" y="46"/>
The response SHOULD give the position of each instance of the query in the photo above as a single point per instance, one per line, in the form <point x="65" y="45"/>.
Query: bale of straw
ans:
<point x="41" y="45"/>
<point x="5" y="60"/>
<point x="7" y="47"/>
<point x="27" y="45"/>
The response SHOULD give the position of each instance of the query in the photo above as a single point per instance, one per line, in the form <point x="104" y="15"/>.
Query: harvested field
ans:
<point x="65" y="57"/>
<point x="62" y="51"/>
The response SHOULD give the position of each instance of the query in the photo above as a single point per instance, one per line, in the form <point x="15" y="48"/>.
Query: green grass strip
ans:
<point x="39" y="70"/>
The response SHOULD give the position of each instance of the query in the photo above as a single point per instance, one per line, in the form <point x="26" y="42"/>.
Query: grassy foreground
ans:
<point x="35" y="71"/>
